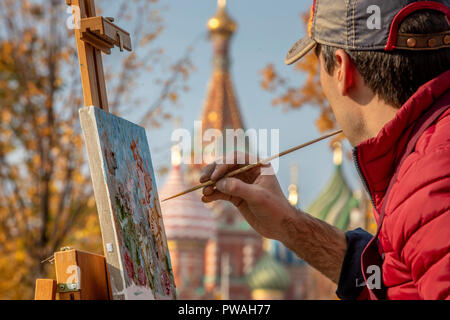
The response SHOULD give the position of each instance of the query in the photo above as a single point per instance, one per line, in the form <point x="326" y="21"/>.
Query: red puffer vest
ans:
<point x="415" y="234"/>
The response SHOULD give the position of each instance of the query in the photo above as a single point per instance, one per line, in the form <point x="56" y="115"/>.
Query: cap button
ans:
<point x="447" y="39"/>
<point x="432" y="42"/>
<point x="411" y="42"/>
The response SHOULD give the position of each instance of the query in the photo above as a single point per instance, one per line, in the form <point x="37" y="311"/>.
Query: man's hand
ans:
<point x="260" y="200"/>
<point x="258" y="196"/>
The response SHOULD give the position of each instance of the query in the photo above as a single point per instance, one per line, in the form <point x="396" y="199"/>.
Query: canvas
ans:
<point x="128" y="206"/>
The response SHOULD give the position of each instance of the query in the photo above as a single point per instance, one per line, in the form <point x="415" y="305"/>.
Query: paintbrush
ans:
<point x="254" y="165"/>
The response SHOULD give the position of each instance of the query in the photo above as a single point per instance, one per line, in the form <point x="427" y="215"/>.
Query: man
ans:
<point x="384" y="67"/>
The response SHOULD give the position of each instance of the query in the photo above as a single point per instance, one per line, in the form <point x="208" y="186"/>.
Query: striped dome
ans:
<point x="268" y="274"/>
<point x="185" y="217"/>
<point x="336" y="202"/>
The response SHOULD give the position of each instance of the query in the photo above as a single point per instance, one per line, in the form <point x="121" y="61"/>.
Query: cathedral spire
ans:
<point x="221" y="27"/>
<point x="221" y="4"/>
<point x="293" y="187"/>
<point x="222" y="22"/>
<point x="221" y="110"/>
<point x="337" y="154"/>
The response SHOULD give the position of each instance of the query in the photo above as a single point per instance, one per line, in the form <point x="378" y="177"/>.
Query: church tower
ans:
<point x="221" y="109"/>
<point x="236" y="240"/>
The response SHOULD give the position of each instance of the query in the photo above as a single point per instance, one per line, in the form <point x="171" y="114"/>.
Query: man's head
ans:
<point x="366" y="87"/>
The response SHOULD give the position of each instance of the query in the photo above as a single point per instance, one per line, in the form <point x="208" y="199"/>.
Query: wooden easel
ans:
<point x="82" y="275"/>
<point x="79" y="276"/>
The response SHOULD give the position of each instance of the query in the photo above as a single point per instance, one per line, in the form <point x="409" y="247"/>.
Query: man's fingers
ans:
<point x="237" y="188"/>
<point x="232" y="161"/>
<point x="222" y="169"/>
<point x="216" y="196"/>
<point x="209" y="169"/>
<point x="207" y="191"/>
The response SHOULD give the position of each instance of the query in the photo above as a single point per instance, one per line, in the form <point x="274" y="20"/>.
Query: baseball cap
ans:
<point x="368" y="25"/>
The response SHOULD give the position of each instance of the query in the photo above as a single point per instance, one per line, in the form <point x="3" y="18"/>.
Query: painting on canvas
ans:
<point x="128" y="206"/>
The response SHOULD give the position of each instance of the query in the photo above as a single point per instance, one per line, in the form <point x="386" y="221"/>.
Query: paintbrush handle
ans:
<point x="254" y="165"/>
<point x="211" y="182"/>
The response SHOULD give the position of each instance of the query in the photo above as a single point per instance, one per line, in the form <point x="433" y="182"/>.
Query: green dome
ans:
<point x="268" y="274"/>
<point x="336" y="202"/>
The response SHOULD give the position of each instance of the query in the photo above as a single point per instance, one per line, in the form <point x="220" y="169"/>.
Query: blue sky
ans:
<point x="266" y="30"/>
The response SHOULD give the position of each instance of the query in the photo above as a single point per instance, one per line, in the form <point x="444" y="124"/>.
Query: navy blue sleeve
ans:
<point x="351" y="281"/>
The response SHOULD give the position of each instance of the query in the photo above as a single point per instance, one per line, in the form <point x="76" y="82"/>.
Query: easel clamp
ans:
<point x="68" y="287"/>
<point x="94" y="36"/>
<point x="102" y="34"/>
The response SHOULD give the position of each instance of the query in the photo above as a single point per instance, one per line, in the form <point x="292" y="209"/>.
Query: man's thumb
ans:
<point x="236" y="188"/>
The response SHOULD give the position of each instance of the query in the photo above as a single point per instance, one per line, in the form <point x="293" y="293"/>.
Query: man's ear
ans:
<point x="345" y="72"/>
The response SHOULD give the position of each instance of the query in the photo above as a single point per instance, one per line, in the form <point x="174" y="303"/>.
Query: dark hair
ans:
<point x="395" y="76"/>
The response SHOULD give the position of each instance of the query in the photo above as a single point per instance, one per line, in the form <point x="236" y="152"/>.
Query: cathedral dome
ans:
<point x="185" y="217"/>
<point x="268" y="274"/>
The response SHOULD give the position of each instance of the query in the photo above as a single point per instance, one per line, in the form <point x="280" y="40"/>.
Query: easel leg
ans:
<point x="91" y="64"/>
<point x="45" y="289"/>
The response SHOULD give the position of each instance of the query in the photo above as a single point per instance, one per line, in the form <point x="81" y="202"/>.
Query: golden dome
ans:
<point x="222" y="22"/>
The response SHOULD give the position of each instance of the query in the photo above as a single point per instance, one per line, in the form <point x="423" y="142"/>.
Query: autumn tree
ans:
<point x="46" y="197"/>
